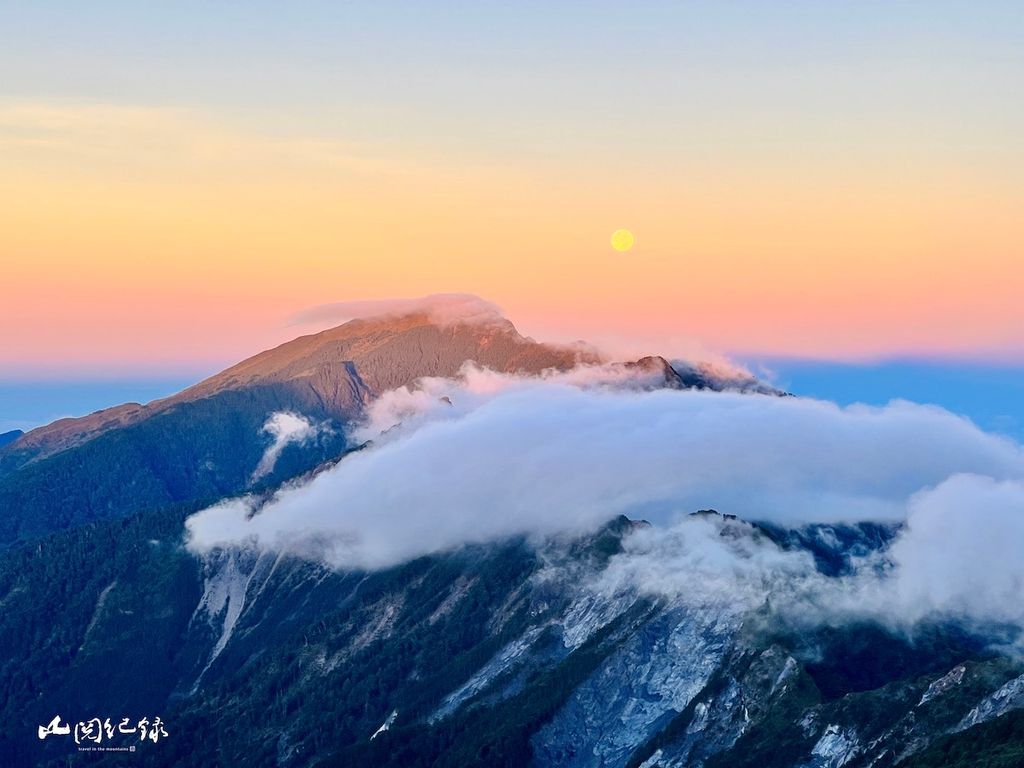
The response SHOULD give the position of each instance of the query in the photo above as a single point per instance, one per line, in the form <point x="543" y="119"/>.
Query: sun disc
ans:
<point x="622" y="240"/>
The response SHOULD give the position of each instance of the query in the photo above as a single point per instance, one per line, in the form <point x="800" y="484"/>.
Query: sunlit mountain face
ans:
<point x="422" y="538"/>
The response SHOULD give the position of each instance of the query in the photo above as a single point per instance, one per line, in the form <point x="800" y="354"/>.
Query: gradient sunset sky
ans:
<point x="841" y="181"/>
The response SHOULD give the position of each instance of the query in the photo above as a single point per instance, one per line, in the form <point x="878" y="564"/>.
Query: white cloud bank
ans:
<point x="962" y="552"/>
<point x="958" y="557"/>
<point x="545" y="457"/>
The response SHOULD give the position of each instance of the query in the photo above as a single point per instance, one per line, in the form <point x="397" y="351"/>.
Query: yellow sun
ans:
<point x="622" y="240"/>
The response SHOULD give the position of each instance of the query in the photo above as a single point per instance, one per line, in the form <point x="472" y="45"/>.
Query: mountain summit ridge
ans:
<point x="339" y="368"/>
<point x="337" y="371"/>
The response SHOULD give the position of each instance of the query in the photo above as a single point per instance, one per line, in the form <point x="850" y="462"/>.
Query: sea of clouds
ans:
<point x="489" y="456"/>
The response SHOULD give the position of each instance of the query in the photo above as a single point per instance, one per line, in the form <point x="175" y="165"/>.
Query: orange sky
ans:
<point x="141" y="235"/>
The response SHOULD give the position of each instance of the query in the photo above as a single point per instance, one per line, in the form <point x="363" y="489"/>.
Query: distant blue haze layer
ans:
<point x="992" y="396"/>
<point x="28" y="404"/>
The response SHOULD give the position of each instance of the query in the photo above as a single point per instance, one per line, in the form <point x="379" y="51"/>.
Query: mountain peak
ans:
<point x="335" y="372"/>
<point x="397" y="342"/>
<point x="660" y="369"/>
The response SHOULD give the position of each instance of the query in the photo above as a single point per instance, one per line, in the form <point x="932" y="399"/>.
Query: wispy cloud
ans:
<point x="110" y="138"/>
<point x="441" y="308"/>
<point x="285" y="428"/>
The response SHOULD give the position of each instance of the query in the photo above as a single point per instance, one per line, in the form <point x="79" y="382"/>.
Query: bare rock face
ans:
<point x="661" y="373"/>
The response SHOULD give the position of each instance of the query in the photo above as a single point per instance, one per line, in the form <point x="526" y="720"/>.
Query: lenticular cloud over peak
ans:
<point x="542" y="457"/>
<point x="440" y="308"/>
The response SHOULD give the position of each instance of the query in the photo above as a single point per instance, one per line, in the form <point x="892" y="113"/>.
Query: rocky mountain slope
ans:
<point x="499" y="655"/>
